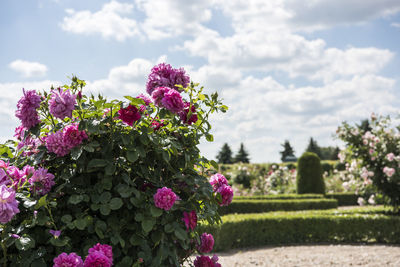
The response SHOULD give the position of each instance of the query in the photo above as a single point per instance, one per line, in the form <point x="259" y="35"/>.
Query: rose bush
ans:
<point x="374" y="152"/>
<point x="127" y="176"/>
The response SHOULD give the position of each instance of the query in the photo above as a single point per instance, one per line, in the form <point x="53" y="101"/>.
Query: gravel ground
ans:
<point x="314" y="255"/>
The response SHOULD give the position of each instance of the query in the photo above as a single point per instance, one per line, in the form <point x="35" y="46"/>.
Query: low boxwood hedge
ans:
<point x="344" y="199"/>
<point x="265" y="205"/>
<point x="280" y="196"/>
<point x="371" y="225"/>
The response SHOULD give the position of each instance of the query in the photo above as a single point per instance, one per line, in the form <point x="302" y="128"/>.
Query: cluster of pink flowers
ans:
<point x="27" y="109"/>
<point x="168" y="98"/>
<point x="184" y="114"/>
<point x="61" y="142"/>
<point x="389" y="171"/>
<point x="190" y="220"/>
<point x="62" y="103"/>
<point x="8" y="204"/>
<point x="220" y="185"/>
<point x="129" y="114"/>
<point x="206" y="261"/>
<point x="164" y="75"/>
<point x="99" y="255"/>
<point x="164" y="198"/>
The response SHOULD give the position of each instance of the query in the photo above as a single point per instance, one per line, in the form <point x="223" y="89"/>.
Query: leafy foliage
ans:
<point x="225" y="155"/>
<point x="104" y="187"/>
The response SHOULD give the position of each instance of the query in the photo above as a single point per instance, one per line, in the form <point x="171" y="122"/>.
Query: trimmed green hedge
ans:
<point x="344" y="199"/>
<point x="352" y="226"/>
<point x="280" y="196"/>
<point x="265" y="205"/>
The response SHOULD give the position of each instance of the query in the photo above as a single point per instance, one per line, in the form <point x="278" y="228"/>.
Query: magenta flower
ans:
<point x="206" y="243"/>
<point x="68" y="260"/>
<point x="184" y="113"/>
<point x="8" y="204"/>
<point x="97" y="259"/>
<point x="164" y="75"/>
<point x="62" y="103"/>
<point x="41" y="181"/>
<point x="19" y="133"/>
<point x="172" y="101"/>
<point x="27" y="109"/>
<point x="17" y="176"/>
<point x="55" y="144"/>
<point x="105" y="249"/>
<point x="129" y="114"/>
<point x="158" y="95"/>
<point x="218" y="180"/>
<point x="72" y="137"/>
<point x="205" y="261"/>
<point x="146" y="99"/>
<point x="226" y="195"/>
<point x="190" y="219"/>
<point x="164" y="198"/>
<point x="156" y="125"/>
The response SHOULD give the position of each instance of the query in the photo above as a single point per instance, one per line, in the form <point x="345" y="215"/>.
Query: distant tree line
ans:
<point x="225" y="155"/>
<point x="324" y="153"/>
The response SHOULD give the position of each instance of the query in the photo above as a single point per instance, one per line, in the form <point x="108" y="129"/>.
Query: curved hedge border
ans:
<point x="265" y="205"/>
<point x="352" y="226"/>
<point x="280" y="196"/>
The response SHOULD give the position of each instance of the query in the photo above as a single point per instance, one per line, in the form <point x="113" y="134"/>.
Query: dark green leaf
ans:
<point x="155" y="212"/>
<point x="25" y="242"/>
<point x="97" y="163"/>
<point x="116" y="203"/>
<point x="148" y="224"/>
<point x="105" y="209"/>
<point x="132" y="156"/>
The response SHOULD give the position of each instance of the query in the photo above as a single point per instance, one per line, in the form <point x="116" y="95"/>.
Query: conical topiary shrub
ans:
<point x="309" y="174"/>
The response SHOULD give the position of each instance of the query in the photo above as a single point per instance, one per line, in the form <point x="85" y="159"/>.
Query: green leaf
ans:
<point x="105" y="197"/>
<point x="59" y="242"/>
<point x="25" y="242"/>
<point x="214" y="164"/>
<point x="209" y="137"/>
<point x="132" y="156"/>
<point x="110" y="169"/>
<point x="42" y="202"/>
<point x="148" y="224"/>
<point x="139" y="217"/>
<point x="97" y="163"/>
<point x="29" y="203"/>
<point x="38" y="263"/>
<point x="180" y="233"/>
<point x="105" y="209"/>
<point x="80" y="223"/>
<point x="75" y="199"/>
<point x="66" y="218"/>
<point x="115" y="203"/>
<point x="168" y="228"/>
<point x="88" y="148"/>
<point x="135" y="101"/>
<point x="76" y="152"/>
<point x="155" y="212"/>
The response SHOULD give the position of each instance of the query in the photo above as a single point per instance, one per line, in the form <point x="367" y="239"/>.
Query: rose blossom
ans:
<point x="68" y="260"/>
<point x="72" y="137"/>
<point x="389" y="171"/>
<point x="27" y="109"/>
<point x="184" y="113"/>
<point x="390" y="156"/>
<point x="62" y="103"/>
<point x="164" y="75"/>
<point x="8" y="204"/>
<point x="55" y="144"/>
<point x="218" y="180"/>
<point x="205" y="261"/>
<point x="41" y="181"/>
<point x="206" y="243"/>
<point x="105" y="249"/>
<point x="190" y="219"/>
<point x="164" y="198"/>
<point x="172" y="100"/>
<point x="226" y="195"/>
<point x="96" y="259"/>
<point x="129" y="114"/>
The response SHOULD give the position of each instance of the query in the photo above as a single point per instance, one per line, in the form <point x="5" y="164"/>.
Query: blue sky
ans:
<point x="287" y="69"/>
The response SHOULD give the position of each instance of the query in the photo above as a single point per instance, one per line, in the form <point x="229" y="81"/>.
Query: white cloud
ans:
<point x="395" y="24"/>
<point x="28" y="69"/>
<point x="109" y="21"/>
<point x="174" y="17"/>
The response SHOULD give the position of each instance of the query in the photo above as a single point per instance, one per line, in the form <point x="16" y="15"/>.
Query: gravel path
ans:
<point x="314" y="255"/>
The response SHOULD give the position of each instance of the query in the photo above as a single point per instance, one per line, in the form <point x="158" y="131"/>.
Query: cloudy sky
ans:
<point x="288" y="69"/>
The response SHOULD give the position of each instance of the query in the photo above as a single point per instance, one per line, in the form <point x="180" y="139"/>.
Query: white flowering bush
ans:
<point x="374" y="153"/>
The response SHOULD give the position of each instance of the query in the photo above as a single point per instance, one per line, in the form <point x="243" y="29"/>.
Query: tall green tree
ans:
<point x="287" y="150"/>
<point x="314" y="148"/>
<point x="242" y="155"/>
<point x="335" y="153"/>
<point x="225" y="155"/>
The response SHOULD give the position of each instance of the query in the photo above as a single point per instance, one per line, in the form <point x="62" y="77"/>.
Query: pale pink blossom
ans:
<point x="390" y="157"/>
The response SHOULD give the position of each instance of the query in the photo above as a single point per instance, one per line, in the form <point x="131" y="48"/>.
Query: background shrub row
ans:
<point x="266" y="205"/>
<point x="280" y="196"/>
<point x="372" y="225"/>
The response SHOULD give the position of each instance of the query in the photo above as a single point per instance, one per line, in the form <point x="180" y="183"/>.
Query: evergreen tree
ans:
<point x="225" y="155"/>
<point x="287" y="150"/>
<point x="364" y="126"/>
<point x="313" y="147"/>
<point x="242" y="155"/>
